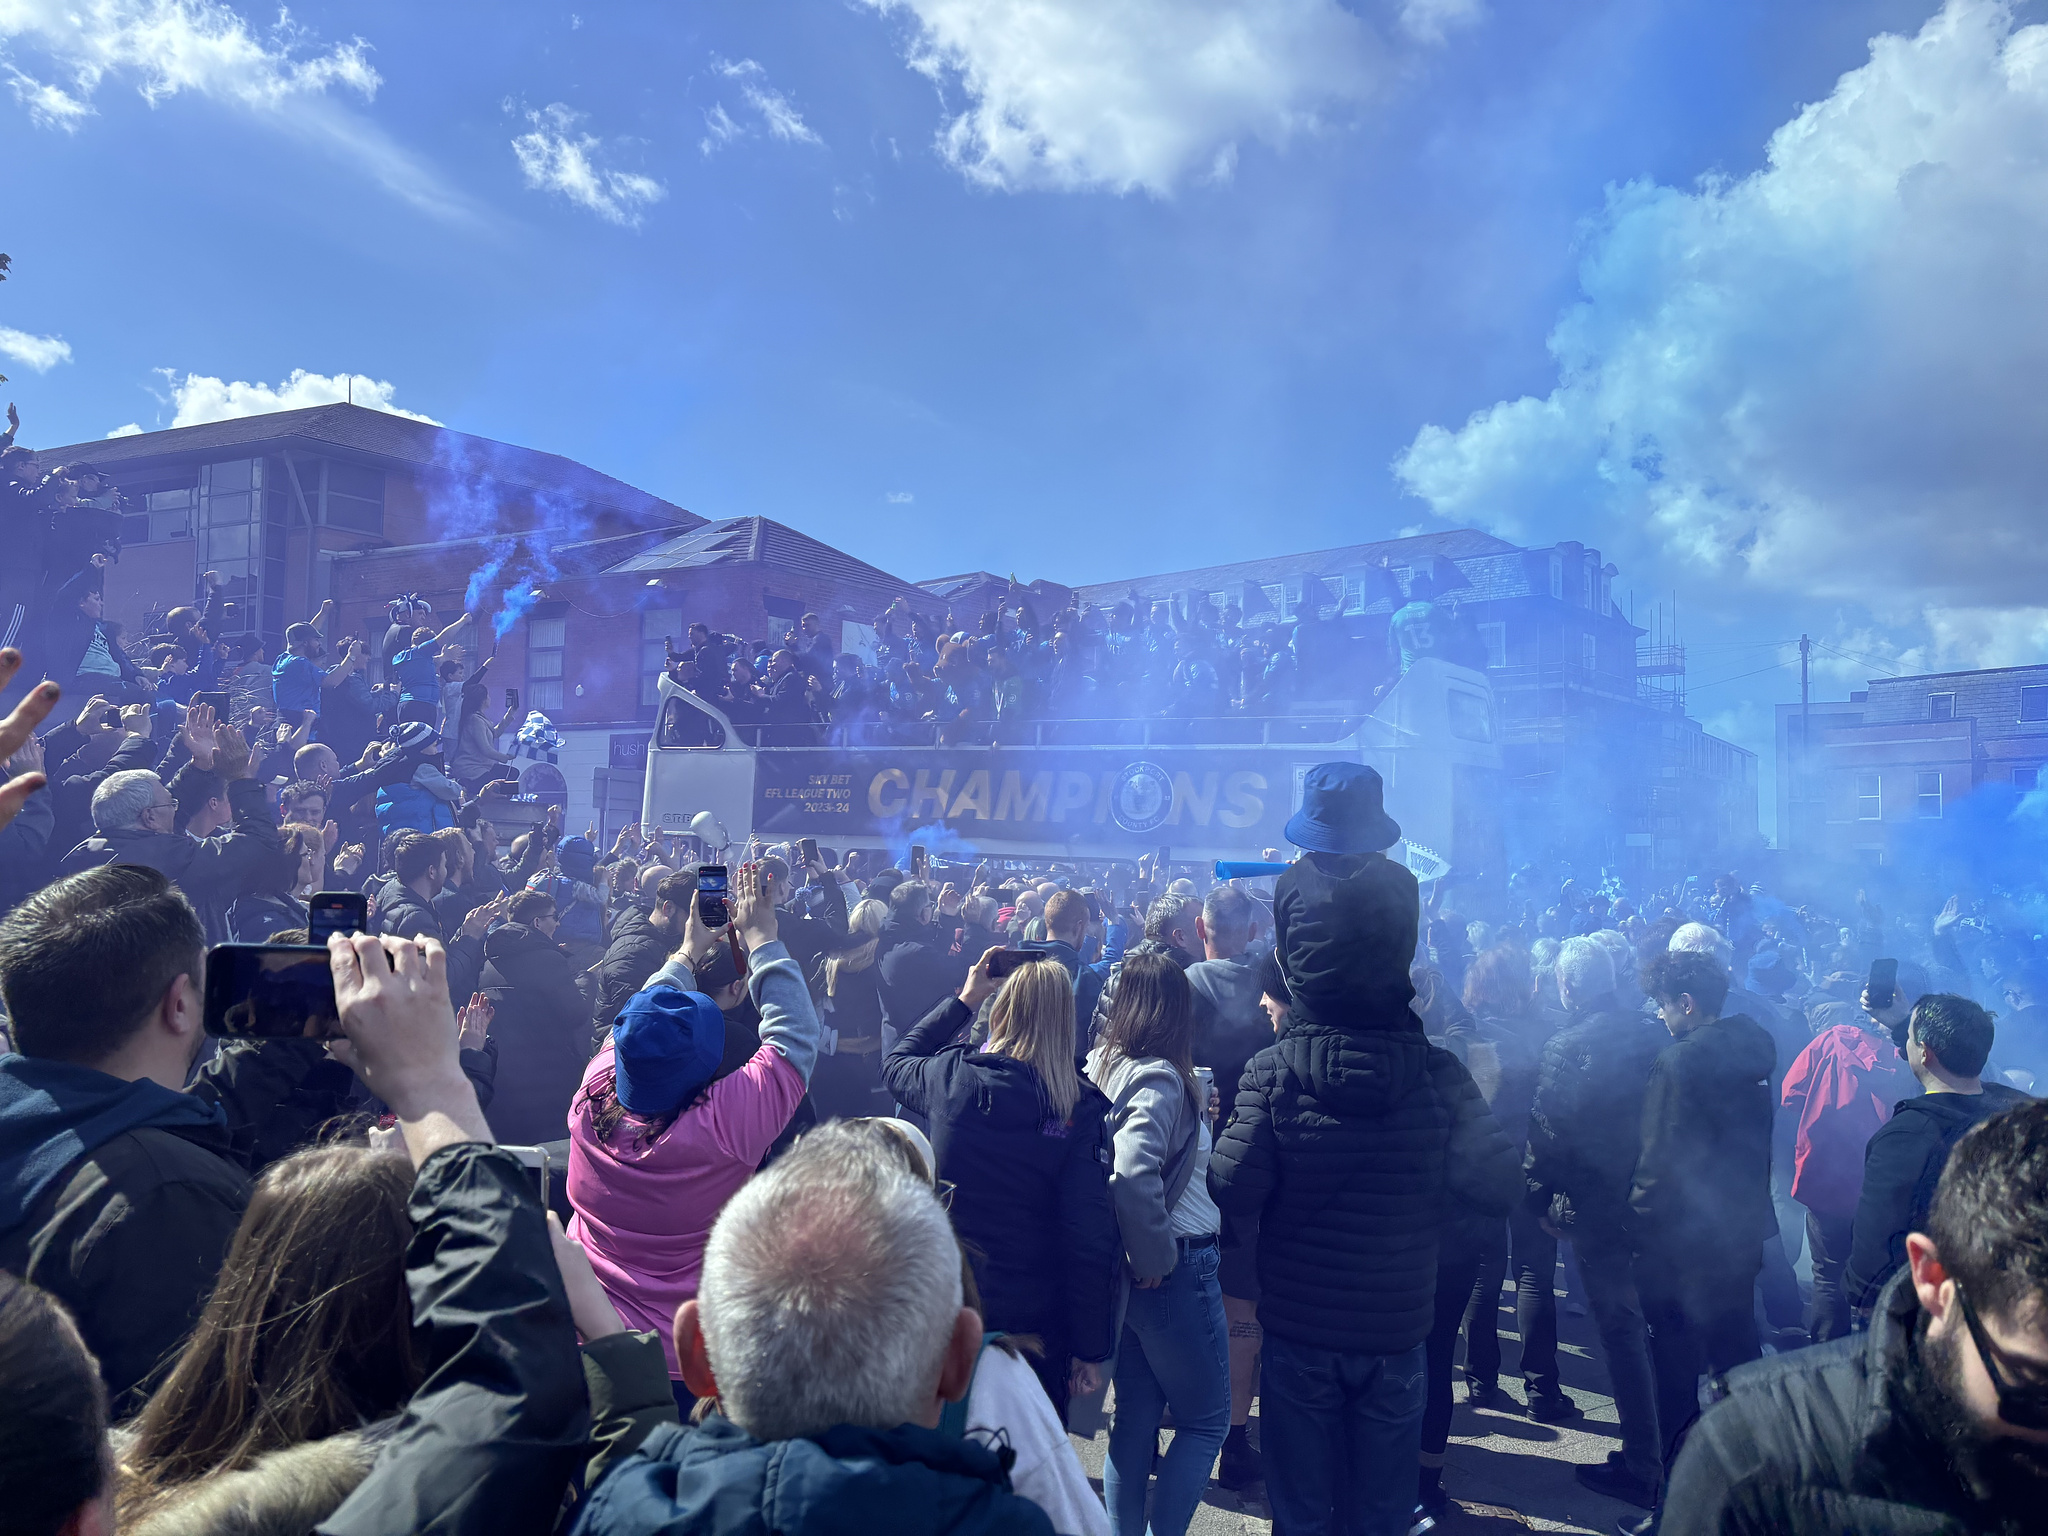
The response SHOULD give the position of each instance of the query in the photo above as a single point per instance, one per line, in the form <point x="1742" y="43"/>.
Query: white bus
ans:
<point x="1080" y="791"/>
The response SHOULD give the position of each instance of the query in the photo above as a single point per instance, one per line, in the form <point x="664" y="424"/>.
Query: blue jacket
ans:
<point x="411" y="807"/>
<point x="718" y="1480"/>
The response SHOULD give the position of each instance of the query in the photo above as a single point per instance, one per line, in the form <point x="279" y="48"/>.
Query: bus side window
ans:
<point x="684" y="725"/>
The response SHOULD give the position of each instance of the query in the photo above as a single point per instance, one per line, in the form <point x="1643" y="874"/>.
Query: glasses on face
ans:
<point x="2024" y="1405"/>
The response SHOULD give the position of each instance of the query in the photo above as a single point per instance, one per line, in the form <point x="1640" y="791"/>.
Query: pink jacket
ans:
<point x="644" y="1210"/>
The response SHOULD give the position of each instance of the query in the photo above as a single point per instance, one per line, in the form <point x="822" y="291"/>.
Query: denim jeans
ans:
<point x="1535" y="1269"/>
<point x="1342" y="1437"/>
<point x="1175" y="1354"/>
<point x="1608" y="1268"/>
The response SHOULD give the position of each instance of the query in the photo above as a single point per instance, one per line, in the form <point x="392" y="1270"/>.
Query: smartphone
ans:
<point x="1159" y="863"/>
<point x="1008" y="960"/>
<point x="919" y="862"/>
<point x="270" y="992"/>
<point x="539" y="1166"/>
<point x="711" y="887"/>
<point x="330" y="912"/>
<point x="1883" y="985"/>
<point x="807" y="851"/>
<point x="217" y="701"/>
<point x="511" y="698"/>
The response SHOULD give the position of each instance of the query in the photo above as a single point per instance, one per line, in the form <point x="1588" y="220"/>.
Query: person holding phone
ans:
<point x="126" y="1184"/>
<point x="1023" y="1137"/>
<point x="656" y="1146"/>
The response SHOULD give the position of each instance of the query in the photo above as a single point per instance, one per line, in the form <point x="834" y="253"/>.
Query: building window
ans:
<point x="1276" y="597"/>
<point x="1589" y="653"/>
<point x="1557" y="575"/>
<point x="2034" y="704"/>
<point x="2026" y="779"/>
<point x="158" y="517"/>
<point x="545" y="641"/>
<point x="1941" y="706"/>
<point x="1869" y="797"/>
<point x="658" y="626"/>
<point x="1495" y="638"/>
<point x="1927" y="793"/>
<point x="353" y="497"/>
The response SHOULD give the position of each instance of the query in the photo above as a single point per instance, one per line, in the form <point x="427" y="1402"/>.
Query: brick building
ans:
<point x="578" y="577"/>
<point x="1902" y="752"/>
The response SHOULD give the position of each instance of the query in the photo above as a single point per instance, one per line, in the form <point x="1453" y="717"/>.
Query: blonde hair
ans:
<point x="1033" y="1022"/>
<point x="866" y="919"/>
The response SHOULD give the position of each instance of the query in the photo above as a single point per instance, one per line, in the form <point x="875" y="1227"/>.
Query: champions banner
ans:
<point x="1208" y="797"/>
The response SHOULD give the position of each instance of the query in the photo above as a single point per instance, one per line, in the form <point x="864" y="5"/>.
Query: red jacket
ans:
<point x="1842" y="1088"/>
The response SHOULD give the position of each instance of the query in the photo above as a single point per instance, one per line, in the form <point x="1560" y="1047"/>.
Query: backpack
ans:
<point x="953" y="1417"/>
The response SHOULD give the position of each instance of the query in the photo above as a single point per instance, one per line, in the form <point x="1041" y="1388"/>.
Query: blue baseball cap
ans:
<point x="666" y="1045"/>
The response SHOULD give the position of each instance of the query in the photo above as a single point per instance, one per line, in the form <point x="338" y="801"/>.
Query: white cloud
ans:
<point x="41" y="353"/>
<point x="1821" y="380"/>
<point x="133" y="429"/>
<point x="199" y="397"/>
<point x="720" y="129"/>
<point x="203" y="47"/>
<point x="780" y="118"/>
<point x="899" y="498"/>
<point x="557" y="157"/>
<point x="1129" y="94"/>
<point x="1431" y="21"/>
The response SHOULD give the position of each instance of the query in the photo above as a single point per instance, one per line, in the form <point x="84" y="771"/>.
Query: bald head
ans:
<point x="651" y="878"/>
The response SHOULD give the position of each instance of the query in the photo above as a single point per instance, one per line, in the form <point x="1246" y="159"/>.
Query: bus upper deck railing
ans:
<point x="1167" y="731"/>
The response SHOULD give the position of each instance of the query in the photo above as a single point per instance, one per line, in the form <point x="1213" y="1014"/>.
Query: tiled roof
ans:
<point x="763" y="541"/>
<point x="1458" y="544"/>
<point x="380" y="435"/>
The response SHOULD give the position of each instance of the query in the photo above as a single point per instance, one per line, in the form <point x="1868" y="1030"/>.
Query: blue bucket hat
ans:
<point x="1341" y="811"/>
<point x="666" y="1045"/>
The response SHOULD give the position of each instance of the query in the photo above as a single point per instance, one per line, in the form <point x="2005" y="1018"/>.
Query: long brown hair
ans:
<point x="308" y="1332"/>
<point x="1032" y="1021"/>
<point x="1152" y="1014"/>
<point x="1500" y="984"/>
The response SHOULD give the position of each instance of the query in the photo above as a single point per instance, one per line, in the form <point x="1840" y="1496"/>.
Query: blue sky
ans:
<point x="1091" y="288"/>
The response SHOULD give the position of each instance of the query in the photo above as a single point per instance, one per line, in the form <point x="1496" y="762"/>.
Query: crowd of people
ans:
<point x="1186" y="657"/>
<point x="606" y="1210"/>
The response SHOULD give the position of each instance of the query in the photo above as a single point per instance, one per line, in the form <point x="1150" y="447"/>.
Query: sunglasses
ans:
<point x="2024" y="1405"/>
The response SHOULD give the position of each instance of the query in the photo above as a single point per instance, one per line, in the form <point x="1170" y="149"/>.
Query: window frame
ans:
<point x="1871" y="796"/>
<point x="1936" y="703"/>
<point x="545" y="691"/>
<point x="653" y="654"/>
<point x="1923" y="797"/>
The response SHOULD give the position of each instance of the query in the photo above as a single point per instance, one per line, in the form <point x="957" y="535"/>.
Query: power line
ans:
<point x="1867" y="661"/>
<point x="1738" y="677"/>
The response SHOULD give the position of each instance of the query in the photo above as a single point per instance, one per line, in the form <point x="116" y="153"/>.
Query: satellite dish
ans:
<point x="708" y="829"/>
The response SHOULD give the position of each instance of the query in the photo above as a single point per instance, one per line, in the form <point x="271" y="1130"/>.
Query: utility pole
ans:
<point x="1799" y="777"/>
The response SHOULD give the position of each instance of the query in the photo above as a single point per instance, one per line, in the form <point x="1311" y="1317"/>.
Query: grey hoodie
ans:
<point x="1154" y="1122"/>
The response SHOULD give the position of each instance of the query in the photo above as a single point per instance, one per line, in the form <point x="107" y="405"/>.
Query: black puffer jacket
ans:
<point x="1350" y="1148"/>
<point x="1833" y="1438"/>
<point x="637" y="950"/>
<point x="1586" y="1121"/>
<point x="1702" y="1186"/>
<point x="542" y="1031"/>
<point x="1032" y="1193"/>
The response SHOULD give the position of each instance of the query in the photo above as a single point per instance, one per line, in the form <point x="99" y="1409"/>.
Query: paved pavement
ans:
<point x="1503" y="1470"/>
